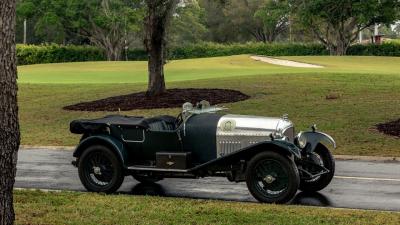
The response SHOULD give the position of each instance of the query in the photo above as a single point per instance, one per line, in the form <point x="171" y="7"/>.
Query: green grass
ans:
<point x="34" y="207"/>
<point x="368" y="86"/>
<point x="194" y="69"/>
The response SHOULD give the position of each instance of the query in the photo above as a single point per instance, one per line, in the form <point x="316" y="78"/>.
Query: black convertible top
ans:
<point x="90" y="125"/>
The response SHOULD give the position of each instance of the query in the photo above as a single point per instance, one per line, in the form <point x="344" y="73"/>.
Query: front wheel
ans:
<point x="272" y="178"/>
<point x="100" y="170"/>
<point x="323" y="157"/>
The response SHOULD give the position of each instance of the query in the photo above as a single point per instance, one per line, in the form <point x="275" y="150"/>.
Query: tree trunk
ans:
<point x="159" y="13"/>
<point x="9" y="127"/>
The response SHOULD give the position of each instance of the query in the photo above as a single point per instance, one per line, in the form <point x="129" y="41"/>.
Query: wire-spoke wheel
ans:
<point x="323" y="157"/>
<point x="100" y="170"/>
<point x="272" y="178"/>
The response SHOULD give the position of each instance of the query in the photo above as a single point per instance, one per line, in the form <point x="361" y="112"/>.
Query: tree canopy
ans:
<point x="115" y="24"/>
<point x="336" y="23"/>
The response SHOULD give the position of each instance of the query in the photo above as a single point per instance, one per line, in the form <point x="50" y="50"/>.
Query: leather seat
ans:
<point x="161" y="123"/>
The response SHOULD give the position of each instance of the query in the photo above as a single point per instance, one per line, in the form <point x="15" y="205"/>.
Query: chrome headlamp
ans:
<point x="301" y="140"/>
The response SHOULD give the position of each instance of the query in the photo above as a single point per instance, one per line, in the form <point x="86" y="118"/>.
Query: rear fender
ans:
<point x="114" y="144"/>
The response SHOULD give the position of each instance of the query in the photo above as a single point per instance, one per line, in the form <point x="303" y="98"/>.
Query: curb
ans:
<point x="367" y="158"/>
<point x="34" y="147"/>
<point x="338" y="157"/>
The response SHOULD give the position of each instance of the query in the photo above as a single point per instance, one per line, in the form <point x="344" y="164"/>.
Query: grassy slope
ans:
<point x="77" y="208"/>
<point x="368" y="87"/>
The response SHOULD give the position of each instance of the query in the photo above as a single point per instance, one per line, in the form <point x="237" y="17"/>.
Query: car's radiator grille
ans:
<point x="289" y="133"/>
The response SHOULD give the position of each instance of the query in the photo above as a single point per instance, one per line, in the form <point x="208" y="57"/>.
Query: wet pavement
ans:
<point x="357" y="184"/>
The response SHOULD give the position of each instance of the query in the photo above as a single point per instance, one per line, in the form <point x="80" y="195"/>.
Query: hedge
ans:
<point x="212" y="49"/>
<point x="385" y="49"/>
<point x="34" y="54"/>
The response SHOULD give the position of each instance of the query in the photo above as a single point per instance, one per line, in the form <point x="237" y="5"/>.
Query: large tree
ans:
<point x="275" y="19"/>
<point x="188" y="24"/>
<point x="336" y="23"/>
<point x="9" y="128"/>
<point x="158" y="16"/>
<point x="109" y="24"/>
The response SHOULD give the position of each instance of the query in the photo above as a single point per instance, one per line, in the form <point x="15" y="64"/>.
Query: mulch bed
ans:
<point x="172" y="98"/>
<point x="390" y="128"/>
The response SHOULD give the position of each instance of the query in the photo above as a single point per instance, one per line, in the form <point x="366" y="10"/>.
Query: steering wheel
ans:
<point x="179" y="120"/>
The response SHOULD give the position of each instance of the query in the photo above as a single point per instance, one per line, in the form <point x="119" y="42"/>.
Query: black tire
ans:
<point x="146" y="179"/>
<point x="324" y="180"/>
<point x="100" y="170"/>
<point x="281" y="172"/>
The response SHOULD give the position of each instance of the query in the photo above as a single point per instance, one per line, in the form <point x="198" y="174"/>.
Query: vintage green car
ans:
<point x="202" y="141"/>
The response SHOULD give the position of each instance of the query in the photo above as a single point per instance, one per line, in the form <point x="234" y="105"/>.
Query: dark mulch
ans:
<point x="390" y="128"/>
<point x="172" y="98"/>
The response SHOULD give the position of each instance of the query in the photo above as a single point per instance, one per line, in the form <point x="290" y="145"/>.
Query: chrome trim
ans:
<point x="131" y="141"/>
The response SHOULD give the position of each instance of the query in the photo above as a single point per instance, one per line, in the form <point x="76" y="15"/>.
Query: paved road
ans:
<point x="357" y="184"/>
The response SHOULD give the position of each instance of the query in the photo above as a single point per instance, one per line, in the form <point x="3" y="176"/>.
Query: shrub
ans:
<point x="208" y="49"/>
<point x="35" y="54"/>
<point x="385" y="49"/>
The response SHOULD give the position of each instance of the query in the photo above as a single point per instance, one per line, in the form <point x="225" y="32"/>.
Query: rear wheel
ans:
<point x="323" y="157"/>
<point x="272" y="178"/>
<point x="100" y="170"/>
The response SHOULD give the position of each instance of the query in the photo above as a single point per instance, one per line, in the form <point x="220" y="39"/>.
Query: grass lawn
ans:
<point x="368" y="86"/>
<point x="34" y="207"/>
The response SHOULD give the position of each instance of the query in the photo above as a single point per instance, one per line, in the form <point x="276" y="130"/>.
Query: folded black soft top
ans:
<point x="91" y="125"/>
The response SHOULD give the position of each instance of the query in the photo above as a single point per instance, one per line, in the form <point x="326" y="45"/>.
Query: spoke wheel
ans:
<point x="323" y="157"/>
<point x="100" y="170"/>
<point x="272" y="178"/>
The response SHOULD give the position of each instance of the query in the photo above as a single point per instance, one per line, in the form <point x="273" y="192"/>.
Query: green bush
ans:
<point x="385" y="49"/>
<point x="212" y="49"/>
<point x="35" y="54"/>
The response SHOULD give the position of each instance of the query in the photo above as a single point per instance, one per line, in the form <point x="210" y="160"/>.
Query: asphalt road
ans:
<point x="357" y="184"/>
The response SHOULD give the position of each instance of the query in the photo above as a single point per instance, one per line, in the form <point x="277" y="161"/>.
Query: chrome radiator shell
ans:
<point x="235" y="132"/>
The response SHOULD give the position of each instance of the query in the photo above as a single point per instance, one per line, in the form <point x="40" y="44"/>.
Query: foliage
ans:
<point x="36" y="54"/>
<point x="208" y="49"/>
<point x="188" y="24"/>
<point x="336" y="24"/>
<point x="275" y="18"/>
<point x="385" y="49"/>
<point x="109" y="24"/>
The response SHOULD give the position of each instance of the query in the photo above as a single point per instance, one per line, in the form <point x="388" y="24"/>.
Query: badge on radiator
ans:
<point x="170" y="163"/>
<point x="228" y="125"/>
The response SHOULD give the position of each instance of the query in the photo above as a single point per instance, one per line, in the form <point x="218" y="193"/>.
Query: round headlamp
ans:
<point x="301" y="141"/>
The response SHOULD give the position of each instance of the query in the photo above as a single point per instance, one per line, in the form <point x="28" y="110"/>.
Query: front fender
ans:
<point x="310" y="139"/>
<point x="278" y="146"/>
<point x="114" y="144"/>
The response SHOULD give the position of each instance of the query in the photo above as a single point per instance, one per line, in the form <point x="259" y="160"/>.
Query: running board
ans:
<point x="155" y="169"/>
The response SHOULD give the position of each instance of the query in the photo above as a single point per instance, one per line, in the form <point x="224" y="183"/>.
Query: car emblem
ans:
<point x="170" y="163"/>
<point x="228" y="125"/>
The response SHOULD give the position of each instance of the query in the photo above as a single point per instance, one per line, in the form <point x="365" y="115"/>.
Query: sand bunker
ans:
<point x="283" y="62"/>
